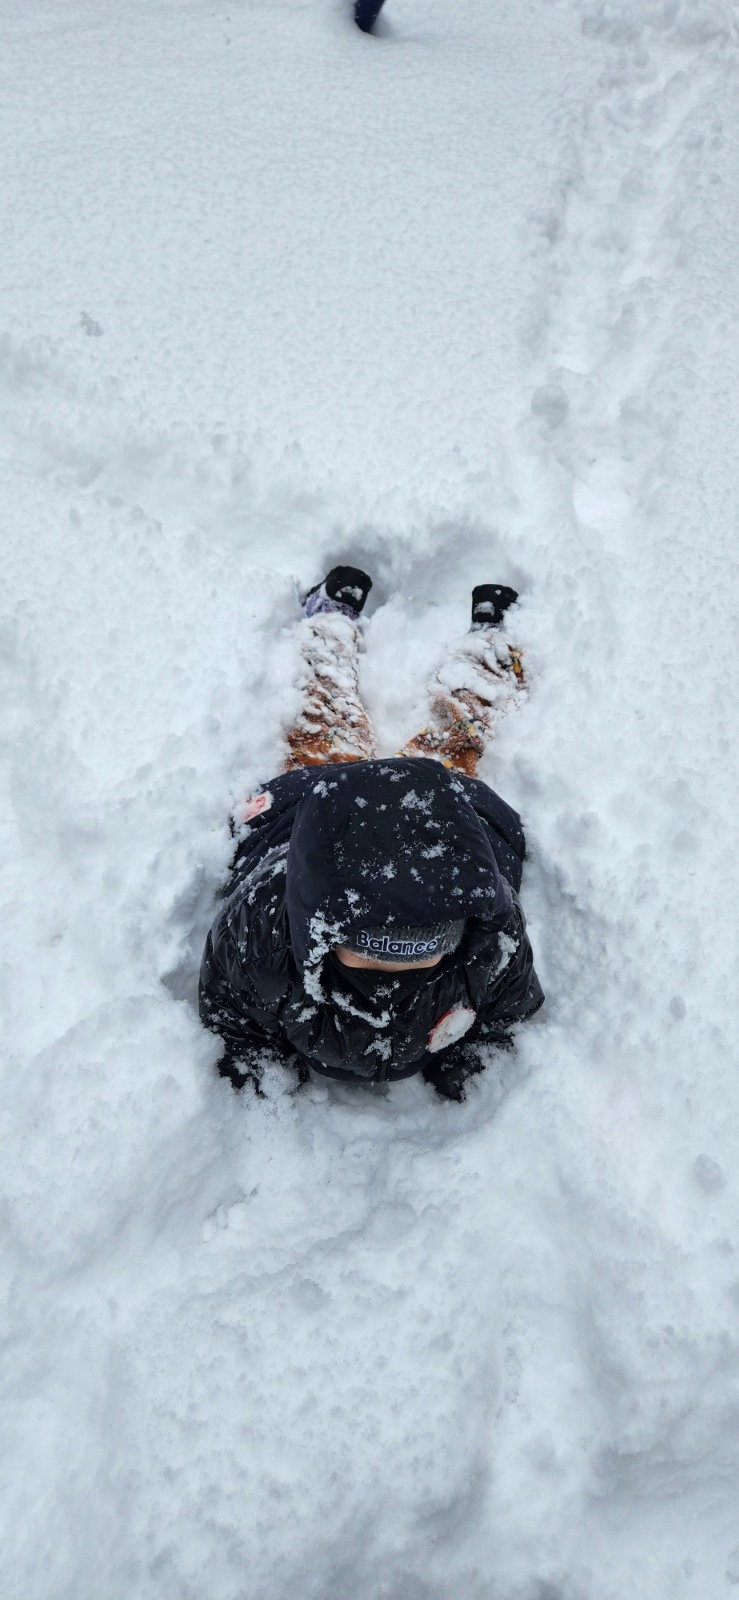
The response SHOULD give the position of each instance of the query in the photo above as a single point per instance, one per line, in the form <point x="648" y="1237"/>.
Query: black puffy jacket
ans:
<point x="341" y="847"/>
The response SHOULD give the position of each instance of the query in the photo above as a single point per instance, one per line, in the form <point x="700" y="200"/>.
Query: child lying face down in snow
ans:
<point x="371" y="928"/>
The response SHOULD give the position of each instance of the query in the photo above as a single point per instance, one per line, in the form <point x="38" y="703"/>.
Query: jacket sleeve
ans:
<point x="514" y="991"/>
<point x="229" y="1002"/>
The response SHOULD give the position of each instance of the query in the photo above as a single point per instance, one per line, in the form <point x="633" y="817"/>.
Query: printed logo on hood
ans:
<point x="383" y="945"/>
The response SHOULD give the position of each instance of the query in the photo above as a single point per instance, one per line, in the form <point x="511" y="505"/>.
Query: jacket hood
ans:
<point x="382" y="844"/>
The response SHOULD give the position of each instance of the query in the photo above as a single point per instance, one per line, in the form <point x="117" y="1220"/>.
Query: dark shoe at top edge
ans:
<point x="344" y="587"/>
<point x="490" y="601"/>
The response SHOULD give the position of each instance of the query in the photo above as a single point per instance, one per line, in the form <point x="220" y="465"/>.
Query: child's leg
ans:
<point x="333" y="724"/>
<point x="473" y="689"/>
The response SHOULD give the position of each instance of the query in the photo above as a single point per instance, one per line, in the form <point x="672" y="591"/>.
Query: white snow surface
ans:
<point x="459" y="302"/>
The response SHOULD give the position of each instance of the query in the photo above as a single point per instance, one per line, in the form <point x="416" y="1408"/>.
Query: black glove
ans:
<point x="242" y="1067"/>
<point x="449" y="1075"/>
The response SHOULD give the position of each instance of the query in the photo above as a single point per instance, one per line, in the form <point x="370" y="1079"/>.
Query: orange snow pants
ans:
<point x="474" y="687"/>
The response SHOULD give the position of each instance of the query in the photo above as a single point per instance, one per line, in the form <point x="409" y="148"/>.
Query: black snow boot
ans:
<point x="345" y="588"/>
<point x="366" y="13"/>
<point x="490" y="601"/>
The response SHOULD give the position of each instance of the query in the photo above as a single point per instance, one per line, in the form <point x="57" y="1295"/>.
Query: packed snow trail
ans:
<point x="460" y="301"/>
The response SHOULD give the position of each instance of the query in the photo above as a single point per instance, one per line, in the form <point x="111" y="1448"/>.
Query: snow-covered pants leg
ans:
<point x="481" y="679"/>
<point x="333" y="724"/>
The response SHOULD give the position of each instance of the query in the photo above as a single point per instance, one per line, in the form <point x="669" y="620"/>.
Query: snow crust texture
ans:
<point x="457" y="303"/>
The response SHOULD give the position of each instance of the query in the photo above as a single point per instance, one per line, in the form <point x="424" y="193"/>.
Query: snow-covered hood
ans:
<point x="382" y="843"/>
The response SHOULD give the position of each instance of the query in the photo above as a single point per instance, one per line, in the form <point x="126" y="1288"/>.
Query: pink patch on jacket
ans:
<point x="452" y="1026"/>
<point x="254" y="808"/>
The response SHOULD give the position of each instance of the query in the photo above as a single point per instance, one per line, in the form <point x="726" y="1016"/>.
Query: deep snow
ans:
<point x="461" y="302"/>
